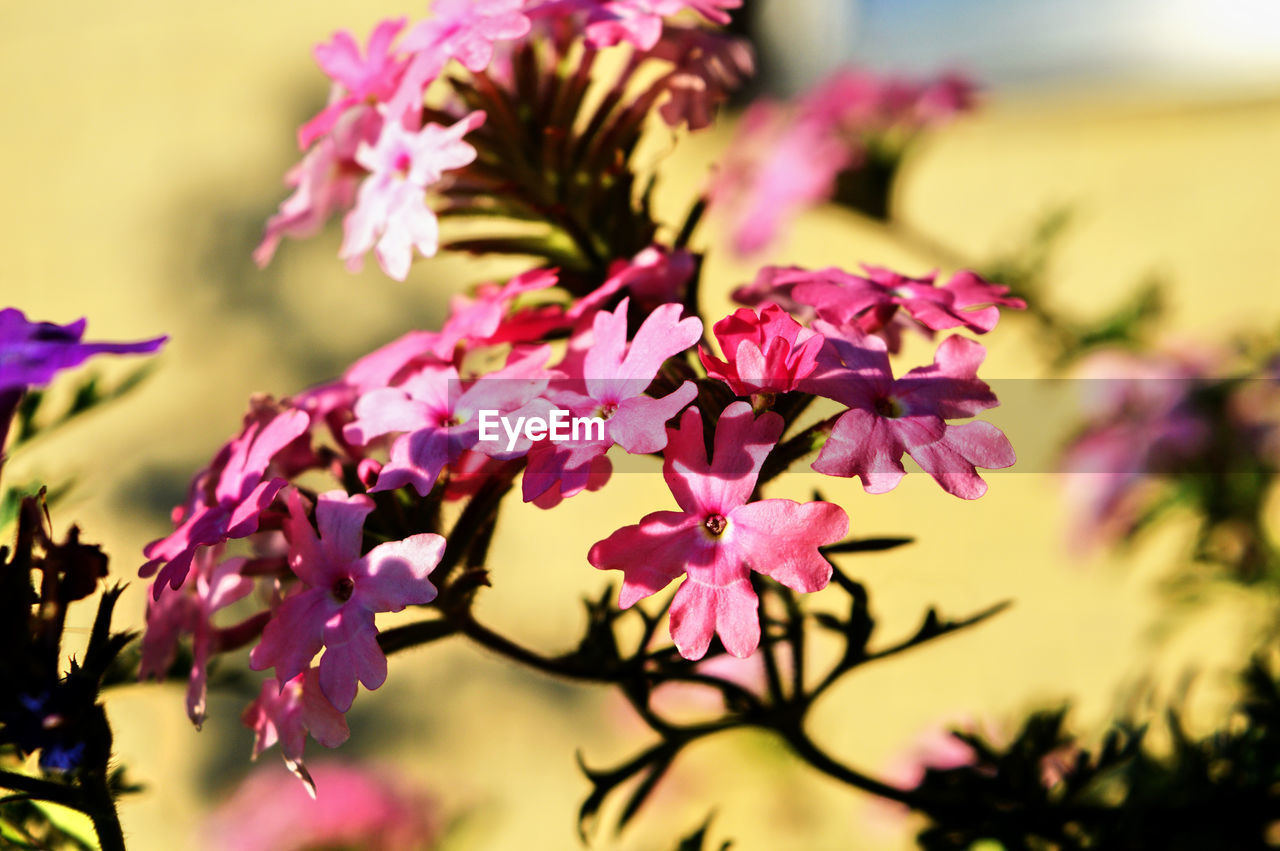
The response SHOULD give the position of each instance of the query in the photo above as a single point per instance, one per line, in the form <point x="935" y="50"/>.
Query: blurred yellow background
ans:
<point x="144" y="146"/>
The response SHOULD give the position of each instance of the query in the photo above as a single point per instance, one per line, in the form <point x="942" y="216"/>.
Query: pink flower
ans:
<point x="366" y="807"/>
<point x="776" y="167"/>
<point x="230" y="496"/>
<point x="391" y="211"/>
<point x="946" y="97"/>
<point x="612" y="384"/>
<point x="325" y="182"/>
<point x="655" y="276"/>
<point x="872" y="302"/>
<point x="888" y="417"/>
<point x="767" y="353"/>
<point x="640" y="21"/>
<point x="1141" y="424"/>
<point x="486" y="318"/>
<point x="342" y="590"/>
<point x="466" y="29"/>
<point x="438" y="419"/>
<point x="286" y="713"/>
<point x="357" y="79"/>
<point x="190" y="612"/>
<point x="708" y="64"/>
<point x="719" y="536"/>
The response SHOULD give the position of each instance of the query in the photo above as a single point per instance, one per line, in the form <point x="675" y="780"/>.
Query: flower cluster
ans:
<point x="404" y="438"/>
<point x="787" y="157"/>
<point x="390" y="135"/>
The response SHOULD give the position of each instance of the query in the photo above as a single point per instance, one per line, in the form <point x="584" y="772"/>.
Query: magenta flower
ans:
<point x="342" y="590"/>
<point x="872" y="302"/>
<point x="191" y="612"/>
<point x="719" y="536"/>
<point x="391" y="213"/>
<point x="767" y="352"/>
<point x="466" y="30"/>
<point x="286" y="713"/>
<point x="367" y="807"/>
<point x="438" y="419"/>
<point x="357" y="79"/>
<point x="229" y="498"/>
<point x="614" y="377"/>
<point x="32" y="353"/>
<point x="888" y="418"/>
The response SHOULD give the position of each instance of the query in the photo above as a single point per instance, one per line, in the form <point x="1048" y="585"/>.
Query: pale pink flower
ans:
<point x="466" y="30"/>
<point x="719" y="536"/>
<point x="227" y="499"/>
<point x="391" y="213"/>
<point x="640" y="21"/>
<point x="615" y="375"/>
<point x="357" y="79"/>
<point x="324" y="183"/>
<point x="438" y="418"/>
<point x="287" y="712"/>
<point x="768" y="352"/>
<point x="341" y="591"/>
<point x="888" y="418"/>
<point x="355" y="806"/>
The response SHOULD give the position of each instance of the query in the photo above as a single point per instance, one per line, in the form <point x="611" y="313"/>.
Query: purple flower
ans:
<point x="32" y="353"/>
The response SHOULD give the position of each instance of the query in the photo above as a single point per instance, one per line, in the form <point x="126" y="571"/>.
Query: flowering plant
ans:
<point x="380" y="491"/>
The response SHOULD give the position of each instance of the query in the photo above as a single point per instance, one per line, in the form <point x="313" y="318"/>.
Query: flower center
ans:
<point x="402" y="163"/>
<point x="343" y="589"/>
<point x="716" y="524"/>
<point x="887" y="406"/>
<point x="607" y="410"/>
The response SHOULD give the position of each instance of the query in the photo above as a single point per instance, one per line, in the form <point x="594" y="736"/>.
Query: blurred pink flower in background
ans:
<point x="785" y="158"/>
<point x="1140" y="425"/>
<point x="355" y="806"/>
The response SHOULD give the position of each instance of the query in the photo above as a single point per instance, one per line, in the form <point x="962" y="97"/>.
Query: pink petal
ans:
<point x="780" y="538"/>
<point x="395" y="574"/>
<point x="351" y="653"/>
<point x="327" y="725"/>
<point x="952" y="460"/>
<point x="640" y="423"/>
<point x="699" y="611"/>
<point x="741" y="444"/>
<point x="294" y="634"/>
<point x="651" y="554"/>
<point x="861" y="444"/>
<point x="341" y="521"/>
